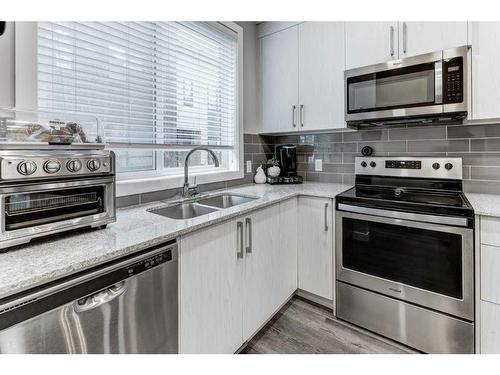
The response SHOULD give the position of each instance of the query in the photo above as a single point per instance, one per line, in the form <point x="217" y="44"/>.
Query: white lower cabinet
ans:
<point x="226" y="298"/>
<point x="315" y="251"/>
<point x="262" y="238"/>
<point x="489" y="286"/>
<point x="211" y="291"/>
<point x="490" y="328"/>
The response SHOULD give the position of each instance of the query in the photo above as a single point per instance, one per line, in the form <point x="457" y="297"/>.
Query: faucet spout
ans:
<point x="187" y="190"/>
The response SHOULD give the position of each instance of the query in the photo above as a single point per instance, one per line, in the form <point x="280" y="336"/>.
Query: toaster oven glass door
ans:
<point x="29" y="209"/>
<point x="412" y="86"/>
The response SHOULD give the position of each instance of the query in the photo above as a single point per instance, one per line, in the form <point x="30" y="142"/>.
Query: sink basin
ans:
<point x="225" y="200"/>
<point x="201" y="206"/>
<point x="183" y="211"/>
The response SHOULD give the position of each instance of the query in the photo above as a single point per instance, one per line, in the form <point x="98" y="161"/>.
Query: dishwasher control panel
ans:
<point x="148" y="263"/>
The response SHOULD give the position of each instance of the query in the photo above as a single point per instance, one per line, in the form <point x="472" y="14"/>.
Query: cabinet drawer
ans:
<point x="490" y="328"/>
<point x="490" y="230"/>
<point x="490" y="277"/>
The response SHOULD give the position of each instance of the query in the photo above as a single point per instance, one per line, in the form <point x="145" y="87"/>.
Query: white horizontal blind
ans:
<point x="151" y="83"/>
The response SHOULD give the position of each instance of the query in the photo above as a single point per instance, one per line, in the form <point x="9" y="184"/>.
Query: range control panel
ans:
<point x="403" y="164"/>
<point x="421" y="167"/>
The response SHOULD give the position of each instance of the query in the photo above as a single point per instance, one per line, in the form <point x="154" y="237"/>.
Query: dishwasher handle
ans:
<point x="100" y="298"/>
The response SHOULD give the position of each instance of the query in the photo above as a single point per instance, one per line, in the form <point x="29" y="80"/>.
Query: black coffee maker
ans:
<point x="287" y="158"/>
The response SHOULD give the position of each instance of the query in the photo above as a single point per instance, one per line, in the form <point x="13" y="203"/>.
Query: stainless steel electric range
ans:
<point x="405" y="253"/>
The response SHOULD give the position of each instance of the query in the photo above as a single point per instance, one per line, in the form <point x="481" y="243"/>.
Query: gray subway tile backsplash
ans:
<point x="128" y="200"/>
<point x="443" y="145"/>
<point x="473" y="131"/>
<point x="436" y="132"/>
<point x="492" y="144"/>
<point x="478" y="145"/>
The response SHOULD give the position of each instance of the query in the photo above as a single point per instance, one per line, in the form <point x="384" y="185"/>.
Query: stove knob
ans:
<point x="373" y="164"/>
<point x="93" y="165"/>
<point x="51" y="166"/>
<point x="435" y="166"/>
<point x="26" y="167"/>
<point x="448" y="166"/>
<point x="363" y="164"/>
<point x="74" y="165"/>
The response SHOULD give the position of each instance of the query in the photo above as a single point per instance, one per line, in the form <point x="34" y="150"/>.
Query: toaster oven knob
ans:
<point x="435" y="166"/>
<point x="448" y="166"/>
<point x="26" y="167"/>
<point x="93" y="165"/>
<point x="51" y="166"/>
<point x="74" y="165"/>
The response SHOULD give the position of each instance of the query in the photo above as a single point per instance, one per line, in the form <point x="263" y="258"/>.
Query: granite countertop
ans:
<point x="135" y="229"/>
<point x="485" y="204"/>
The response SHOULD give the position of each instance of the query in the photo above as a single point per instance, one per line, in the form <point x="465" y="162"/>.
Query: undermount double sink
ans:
<point x="201" y="206"/>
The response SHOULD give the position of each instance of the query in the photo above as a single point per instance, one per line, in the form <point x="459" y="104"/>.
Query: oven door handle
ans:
<point x="455" y="221"/>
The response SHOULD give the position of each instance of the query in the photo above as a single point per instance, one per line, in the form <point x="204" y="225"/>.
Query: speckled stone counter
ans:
<point x="135" y="229"/>
<point x="485" y="204"/>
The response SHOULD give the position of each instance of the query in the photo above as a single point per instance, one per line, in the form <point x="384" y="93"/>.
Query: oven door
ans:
<point x="31" y="210"/>
<point x="427" y="264"/>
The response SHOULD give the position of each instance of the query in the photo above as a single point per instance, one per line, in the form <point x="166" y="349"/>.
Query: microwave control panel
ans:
<point x="453" y="80"/>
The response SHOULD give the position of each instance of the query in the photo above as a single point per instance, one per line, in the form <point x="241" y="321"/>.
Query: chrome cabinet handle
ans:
<point x="392" y="40"/>
<point x="302" y="115"/>
<point x="326" y="216"/>
<point x="248" y="224"/>
<point x="405" y="37"/>
<point x="294" y="107"/>
<point x="239" y="238"/>
<point x="100" y="298"/>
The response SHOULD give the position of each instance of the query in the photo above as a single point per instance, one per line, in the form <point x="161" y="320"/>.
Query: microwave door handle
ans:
<point x="438" y="82"/>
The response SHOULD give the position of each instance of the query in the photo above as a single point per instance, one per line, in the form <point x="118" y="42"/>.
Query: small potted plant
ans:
<point x="271" y="167"/>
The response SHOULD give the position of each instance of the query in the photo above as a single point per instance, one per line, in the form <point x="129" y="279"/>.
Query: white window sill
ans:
<point x="149" y="184"/>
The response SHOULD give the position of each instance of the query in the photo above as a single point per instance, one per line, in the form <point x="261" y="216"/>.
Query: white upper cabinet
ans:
<point x="370" y="43"/>
<point x="321" y="75"/>
<point x="279" y="66"/>
<point x="485" y="40"/>
<point x="416" y="38"/>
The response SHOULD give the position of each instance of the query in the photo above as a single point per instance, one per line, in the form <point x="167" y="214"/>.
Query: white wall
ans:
<point x="7" y="91"/>
<point x="251" y="77"/>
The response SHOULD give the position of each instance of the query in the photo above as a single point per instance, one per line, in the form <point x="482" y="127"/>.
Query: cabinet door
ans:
<point x="490" y="328"/>
<point x="285" y="254"/>
<point x="315" y="260"/>
<point x="370" y="43"/>
<point x="485" y="39"/>
<point x="416" y="38"/>
<point x="261" y="243"/>
<point x="279" y="65"/>
<point x="211" y="302"/>
<point x="321" y="75"/>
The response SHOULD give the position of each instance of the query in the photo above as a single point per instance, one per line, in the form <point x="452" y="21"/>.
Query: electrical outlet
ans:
<point x="249" y="166"/>
<point x="318" y="165"/>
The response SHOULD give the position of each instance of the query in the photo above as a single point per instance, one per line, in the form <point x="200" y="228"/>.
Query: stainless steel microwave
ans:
<point x="420" y="89"/>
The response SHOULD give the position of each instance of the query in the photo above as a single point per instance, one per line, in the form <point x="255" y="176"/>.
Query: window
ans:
<point x="159" y="88"/>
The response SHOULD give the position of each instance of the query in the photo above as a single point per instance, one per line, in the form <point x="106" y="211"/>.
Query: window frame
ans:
<point x="128" y="183"/>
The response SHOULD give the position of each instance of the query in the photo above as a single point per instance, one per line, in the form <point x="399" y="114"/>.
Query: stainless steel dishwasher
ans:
<point x="128" y="306"/>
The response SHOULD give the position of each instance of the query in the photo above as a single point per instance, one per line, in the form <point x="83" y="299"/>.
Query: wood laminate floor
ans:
<point x="302" y="327"/>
